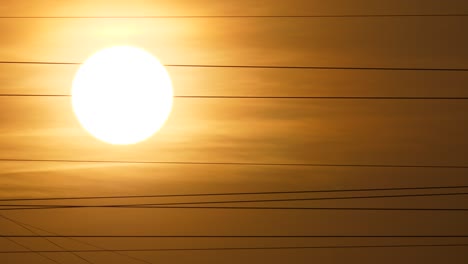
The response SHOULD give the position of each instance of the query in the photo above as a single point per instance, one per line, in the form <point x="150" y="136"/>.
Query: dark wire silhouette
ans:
<point x="264" y="208"/>
<point x="56" y="235"/>
<point x="251" y="201"/>
<point x="241" y="163"/>
<point x="244" y="248"/>
<point x="234" y="236"/>
<point x="272" y="97"/>
<point x="238" y="193"/>
<point x="283" y="67"/>
<point x="46" y="239"/>
<point x="26" y="247"/>
<point x="243" y="16"/>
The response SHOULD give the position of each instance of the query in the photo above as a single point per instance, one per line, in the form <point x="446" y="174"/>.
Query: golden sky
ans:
<point x="414" y="132"/>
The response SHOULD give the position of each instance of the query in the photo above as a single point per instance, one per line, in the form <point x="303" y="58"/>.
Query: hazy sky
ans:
<point x="426" y="132"/>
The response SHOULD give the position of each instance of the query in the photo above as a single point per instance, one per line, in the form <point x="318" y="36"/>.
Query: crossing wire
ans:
<point x="415" y="166"/>
<point x="251" y="201"/>
<point x="56" y="235"/>
<point x="283" y="67"/>
<point x="435" y="15"/>
<point x="48" y="240"/>
<point x="29" y="249"/>
<point x="273" y="97"/>
<point x="233" y="236"/>
<point x="244" y="248"/>
<point x="26" y="247"/>
<point x="262" y="208"/>
<point x="445" y="187"/>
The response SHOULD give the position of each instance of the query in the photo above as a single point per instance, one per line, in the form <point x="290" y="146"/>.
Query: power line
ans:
<point x="56" y="235"/>
<point x="236" y="193"/>
<point x="265" y="66"/>
<point x="253" y="201"/>
<point x="244" y="248"/>
<point x="241" y="16"/>
<point x="31" y="250"/>
<point x="242" y="163"/>
<point x="273" y="97"/>
<point x="318" y="67"/>
<point x="46" y="239"/>
<point x="234" y="236"/>
<point x="428" y="209"/>
<point x="40" y="62"/>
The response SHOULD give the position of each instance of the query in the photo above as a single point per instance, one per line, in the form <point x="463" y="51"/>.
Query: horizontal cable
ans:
<point x="264" y="66"/>
<point x="241" y="163"/>
<point x="244" y="208"/>
<point x="235" y="193"/>
<point x="236" y="248"/>
<point x="29" y="249"/>
<point x="46" y="239"/>
<point x="234" y="236"/>
<point x="84" y="242"/>
<point x="242" y="16"/>
<point x="40" y="62"/>
<point x="273" y="97"/>
<point x="255" y="201"/>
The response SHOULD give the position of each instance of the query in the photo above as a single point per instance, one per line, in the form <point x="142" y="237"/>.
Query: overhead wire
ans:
<point x="31" y="250"/>
<point x="285" y="67"/>
<point x="47" y="239"/>
<point x="269" y="97"/>
<point x="405" y="188"/>
<point x="253" y="201"/>
<point x="290" y="67"/>
<point x="415" y="166"/>
<point x="234" y="236"/>
<point x="56" y="235"/>
<point x="246" y="248"/>
<point x="242" y="16"/>
<point x="267" y="208"/>
<point x="268" y="67"/>
<point x="42" y="255"/>
<point x="272" y="97"/>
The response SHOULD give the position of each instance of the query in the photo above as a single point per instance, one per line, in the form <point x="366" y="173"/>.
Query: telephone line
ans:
<point x="47" y="239"/>
<point x="240" y="163"/>
<point x="265" y="66"/>
<point x="266" y="208"/>
<point x="248" y="201"/>
<point x="273" y="97"/>
<point x="234" y="236"/>
<point x="243" y="16"/>
<point x="236" y="193"/>
<point x="242" y="248"/>
<point x="82" y="242"/>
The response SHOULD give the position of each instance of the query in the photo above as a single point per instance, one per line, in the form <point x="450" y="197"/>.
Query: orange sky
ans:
<point x="228" y="130"/>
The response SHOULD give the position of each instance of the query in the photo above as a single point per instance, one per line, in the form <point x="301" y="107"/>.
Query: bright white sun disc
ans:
<point x="122" y="95"/>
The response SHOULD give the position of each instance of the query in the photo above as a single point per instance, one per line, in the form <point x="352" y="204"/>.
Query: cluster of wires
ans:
<point x="264" y="201"/>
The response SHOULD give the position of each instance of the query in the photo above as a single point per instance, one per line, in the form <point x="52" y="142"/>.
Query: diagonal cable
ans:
<point x="238" y="193"/>
<point x="254" y="164"/>
<point x="267" y="208"/>
<point x="279" y="67"/>
<point x="29" y="249"/>
<point x="279" y="97"/>
<point x="246" y="201"/>
<point x="251" y="248"/>
<point x="237" y="236"/>
<point x="274" y="16"/>
<point x="49" y="240"/>
<point x="87" y="243"/>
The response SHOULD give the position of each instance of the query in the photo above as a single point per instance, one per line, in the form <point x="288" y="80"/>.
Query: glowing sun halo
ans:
<point x="122" y="95"/>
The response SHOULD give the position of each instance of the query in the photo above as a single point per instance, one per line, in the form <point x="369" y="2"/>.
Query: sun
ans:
<point x="122" y="95"/>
